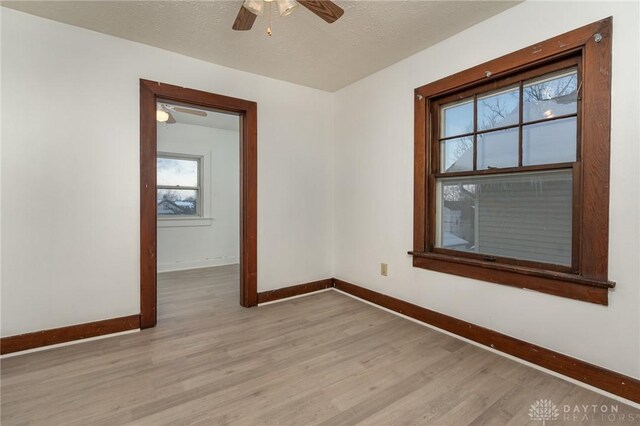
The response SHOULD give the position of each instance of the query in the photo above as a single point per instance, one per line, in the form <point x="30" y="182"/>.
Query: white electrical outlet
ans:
<point x="384" y="268"/>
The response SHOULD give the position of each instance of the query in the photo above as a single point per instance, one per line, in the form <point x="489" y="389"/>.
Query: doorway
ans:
<point x="153" y="94"/>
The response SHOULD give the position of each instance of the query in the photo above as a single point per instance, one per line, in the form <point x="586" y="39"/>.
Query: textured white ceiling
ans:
<point x="303" y="49"/>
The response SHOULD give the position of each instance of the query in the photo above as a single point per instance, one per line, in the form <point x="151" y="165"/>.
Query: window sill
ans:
<point x="176" y="222"/>
<point x="550" y="282"/>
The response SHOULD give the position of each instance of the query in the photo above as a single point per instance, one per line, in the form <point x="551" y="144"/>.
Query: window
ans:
<point x="511" y="168"/>
<point x="504" y="184"/>
<point x="178" y="185"/>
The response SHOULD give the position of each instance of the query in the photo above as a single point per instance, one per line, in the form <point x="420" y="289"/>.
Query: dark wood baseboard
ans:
<point x="54" y="336"/>
<point x="607" y="380"/>
<point x="294" y="290"/>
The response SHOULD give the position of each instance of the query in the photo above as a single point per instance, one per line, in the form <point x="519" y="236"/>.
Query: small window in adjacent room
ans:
<point x="178" y="185"/>
<point x="511" y="168"/>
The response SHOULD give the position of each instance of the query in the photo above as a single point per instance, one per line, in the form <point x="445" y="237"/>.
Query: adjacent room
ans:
<point x="314" y="212"/>
<point x="198" y="206"/>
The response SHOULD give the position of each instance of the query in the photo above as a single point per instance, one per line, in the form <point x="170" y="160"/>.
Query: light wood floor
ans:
<point x="321" y="359"/>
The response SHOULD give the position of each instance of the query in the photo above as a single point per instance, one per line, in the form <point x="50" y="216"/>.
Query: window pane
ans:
<point x="499" y="109"/>
<point x="524" y="216"/>
<point x="457" y="154"/>
<point x="457" y="118"/>
<point x="550" y="96"/>
<point x="498" y="149"/>
<point x="177" y="172"/>
<point x="176" y="202"/>
<point x="549" y="142"/>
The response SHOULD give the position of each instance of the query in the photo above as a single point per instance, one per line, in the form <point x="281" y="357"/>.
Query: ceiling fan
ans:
<point x="250" y="9"/>
<point x="163" y="112"/>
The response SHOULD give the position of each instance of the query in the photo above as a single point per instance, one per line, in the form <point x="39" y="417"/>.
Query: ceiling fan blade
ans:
<point x="190" y="111"/>
<point x="244" y="20"/>
<point x="327" y="10"/>
<point x="171" y="119"/>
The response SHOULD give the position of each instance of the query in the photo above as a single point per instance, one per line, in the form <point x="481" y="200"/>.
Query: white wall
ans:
<point x="373" y="144"/>
<point x="213" y="239"/>
<point x="70" y="171"/>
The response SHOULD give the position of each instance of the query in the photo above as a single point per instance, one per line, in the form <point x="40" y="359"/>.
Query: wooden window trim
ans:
<point x="587" y="280"/>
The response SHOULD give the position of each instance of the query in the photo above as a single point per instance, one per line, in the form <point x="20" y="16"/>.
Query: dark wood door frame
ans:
<point x="150" y="92"/>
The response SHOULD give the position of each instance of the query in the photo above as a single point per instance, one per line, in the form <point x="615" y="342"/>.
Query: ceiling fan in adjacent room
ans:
<point x="163" y="112"/>
<point x="250" y="9"/>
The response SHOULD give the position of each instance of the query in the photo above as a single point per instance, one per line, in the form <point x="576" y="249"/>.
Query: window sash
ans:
<point x="435" y="172"/>
<point x="174" y="215"/>
<point x="197" y="189"/>
<point x="543" y="177"/>
<point x="495" y="87"/>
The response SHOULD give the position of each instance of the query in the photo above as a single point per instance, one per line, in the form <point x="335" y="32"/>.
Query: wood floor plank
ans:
<point x="321" y="359"/>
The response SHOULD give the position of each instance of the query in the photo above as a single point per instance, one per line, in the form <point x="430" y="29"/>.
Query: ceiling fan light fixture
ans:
<point x="254" y="6"/>
<point x="327" y="10"/>
<point x="162" y="116"/>
<point x="286" y="6"/>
